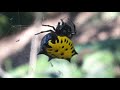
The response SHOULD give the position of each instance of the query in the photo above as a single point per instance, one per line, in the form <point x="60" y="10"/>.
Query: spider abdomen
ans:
<point x="62" y="48"/>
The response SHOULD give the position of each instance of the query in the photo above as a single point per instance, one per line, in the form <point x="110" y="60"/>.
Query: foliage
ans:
<point x="98" y="64"/>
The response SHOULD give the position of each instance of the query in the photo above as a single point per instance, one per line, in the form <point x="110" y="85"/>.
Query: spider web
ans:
<point x="15" y="25"/>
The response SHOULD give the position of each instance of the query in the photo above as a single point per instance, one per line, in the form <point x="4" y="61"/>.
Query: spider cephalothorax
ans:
<point x="65" y="30"/>
<point x="58" y="43"/>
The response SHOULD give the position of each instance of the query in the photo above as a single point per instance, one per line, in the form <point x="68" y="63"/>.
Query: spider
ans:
<point x="58" y="43"/>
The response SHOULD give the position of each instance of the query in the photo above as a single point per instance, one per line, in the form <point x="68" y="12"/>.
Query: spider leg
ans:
<point x="58" y="24"/>
<point x="73" y="27"/>
<point x="62" y="22"/>
<point x="49" y="26"/>
<point x="44" y="32"/>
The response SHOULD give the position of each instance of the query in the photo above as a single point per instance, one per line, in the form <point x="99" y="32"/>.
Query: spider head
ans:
<point x="64" y="29"/>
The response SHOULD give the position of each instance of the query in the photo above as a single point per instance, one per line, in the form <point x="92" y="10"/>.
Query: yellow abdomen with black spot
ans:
<point x="62" y="48"/>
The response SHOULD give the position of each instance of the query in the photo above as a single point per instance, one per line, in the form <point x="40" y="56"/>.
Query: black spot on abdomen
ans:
<point x="56" y="50"/>
<point x="65" y="40"/>
<point x="71" y="48"/>
<point x="57" y="41"/>
<point x="62" y="53"/>
<point x="49" y="46"/>
<point x="66" y="49"/>
<point x="73" y="51"/>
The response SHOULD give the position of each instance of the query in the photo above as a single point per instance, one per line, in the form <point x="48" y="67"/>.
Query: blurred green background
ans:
<point x="97" y="42"/>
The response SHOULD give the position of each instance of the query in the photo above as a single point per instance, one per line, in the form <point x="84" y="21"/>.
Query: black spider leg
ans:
<point x="47" y="30"/>
<point x="49" y="26"/>
<point x="62" y="22"/>
<point x="58" y="26"/>
<point x="73" y="26"/>
<point x="44" y="32"/>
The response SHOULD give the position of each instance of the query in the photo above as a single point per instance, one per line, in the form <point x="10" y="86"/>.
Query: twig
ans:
<point x="33" y="57"/>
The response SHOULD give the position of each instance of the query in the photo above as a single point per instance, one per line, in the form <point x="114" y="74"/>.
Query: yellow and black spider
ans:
<point x="57" y="43"/>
